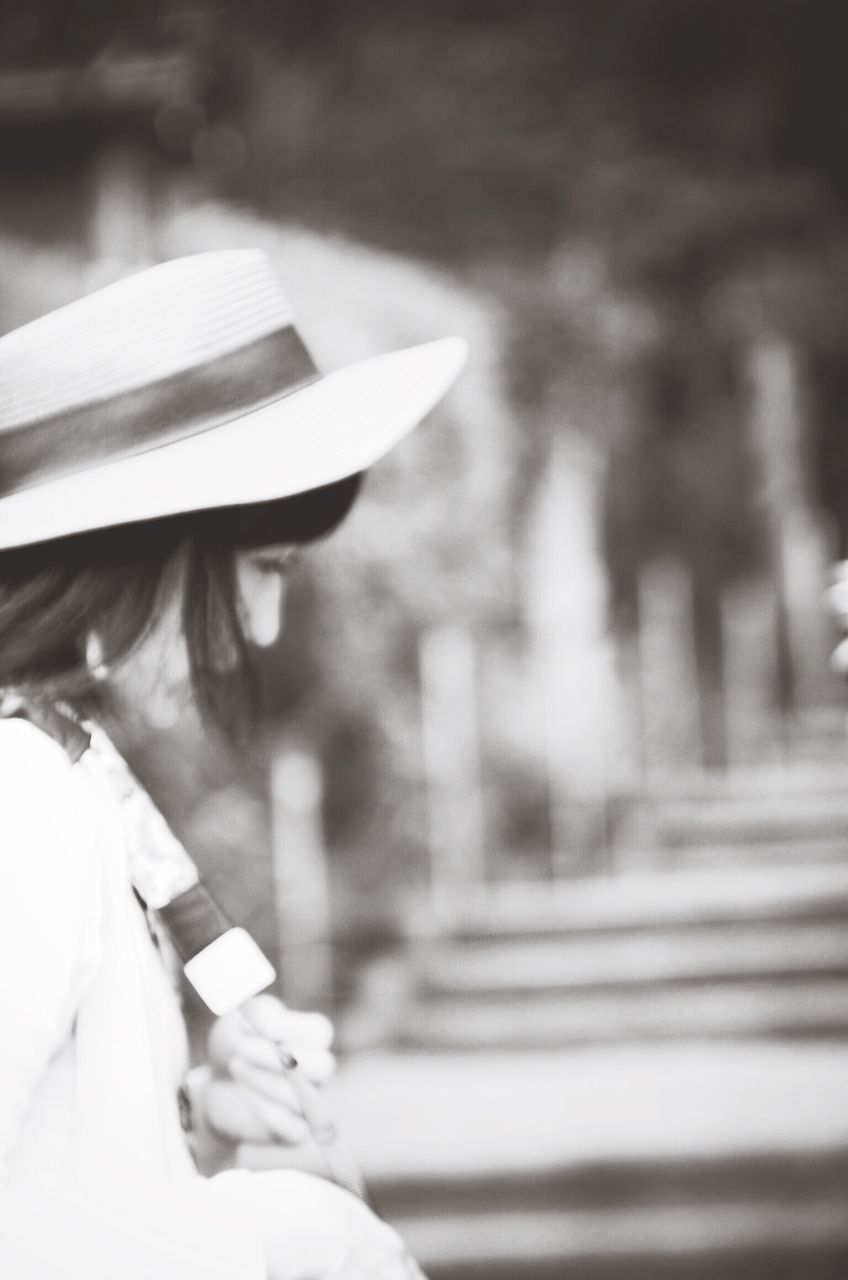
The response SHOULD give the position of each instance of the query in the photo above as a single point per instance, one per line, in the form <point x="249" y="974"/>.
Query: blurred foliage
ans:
<point x="466" y="127"/>
<point x="640" y="186"/>
<point x="683" y="137"/>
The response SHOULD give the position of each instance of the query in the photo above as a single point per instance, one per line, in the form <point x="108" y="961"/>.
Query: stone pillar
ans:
<point x="671" y="707"/>
<point x="121" y="233"/>
<point x="799" y="547"/>
<point x="571" y="654"/>
<point x="451" y="758"/>
<point x="750" y="619"/>
<point x="301" y="878"/>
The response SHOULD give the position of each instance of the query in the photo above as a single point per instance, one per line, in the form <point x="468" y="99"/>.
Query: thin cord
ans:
<point x="322" y="1129"/>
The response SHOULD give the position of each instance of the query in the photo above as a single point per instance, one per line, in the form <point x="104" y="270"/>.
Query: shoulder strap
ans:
<point x="58" y="724"/>
<point x="225" y="973"/>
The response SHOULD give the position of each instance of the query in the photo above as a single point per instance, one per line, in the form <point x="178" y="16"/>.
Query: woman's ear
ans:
<point x="94" y="658"/>
<point x="262" y="593"/>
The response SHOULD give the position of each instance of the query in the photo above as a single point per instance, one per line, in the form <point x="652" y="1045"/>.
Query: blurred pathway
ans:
<point x="638" y="1077"/>
<point x="641" y="1156"/>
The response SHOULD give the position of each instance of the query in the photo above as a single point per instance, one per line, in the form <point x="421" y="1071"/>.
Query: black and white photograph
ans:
<point x="423" y="640"/>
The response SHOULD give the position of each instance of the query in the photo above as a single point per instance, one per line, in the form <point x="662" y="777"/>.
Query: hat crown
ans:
<point x="183" y="388"/>
<point x="158" y="323"/>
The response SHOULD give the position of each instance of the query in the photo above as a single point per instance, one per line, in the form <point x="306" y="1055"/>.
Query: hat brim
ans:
<point x="326" y="431"/>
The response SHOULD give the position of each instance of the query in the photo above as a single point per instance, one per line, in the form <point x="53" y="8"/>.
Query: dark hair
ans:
<point x="114" y="581"/>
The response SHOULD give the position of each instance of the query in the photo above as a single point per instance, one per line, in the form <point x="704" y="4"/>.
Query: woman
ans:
<point x="164" y="444"/>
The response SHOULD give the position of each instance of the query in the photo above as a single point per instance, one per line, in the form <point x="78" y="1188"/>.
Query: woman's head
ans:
<point x="195" y="589"/>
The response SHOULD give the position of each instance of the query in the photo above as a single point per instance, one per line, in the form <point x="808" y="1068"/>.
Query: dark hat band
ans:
<point x="174" y="408"/>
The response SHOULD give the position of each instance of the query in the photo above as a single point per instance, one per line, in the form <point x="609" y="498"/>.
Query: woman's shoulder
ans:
<point x="50" y="875"/>
<point x="29" y="755"/>
<point x="41" y="804"/>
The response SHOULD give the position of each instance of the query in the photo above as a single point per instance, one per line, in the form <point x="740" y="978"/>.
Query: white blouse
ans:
<point x="96" y="1179"/>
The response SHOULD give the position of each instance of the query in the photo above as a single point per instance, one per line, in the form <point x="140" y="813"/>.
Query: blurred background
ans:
<point x="549" y="804"/>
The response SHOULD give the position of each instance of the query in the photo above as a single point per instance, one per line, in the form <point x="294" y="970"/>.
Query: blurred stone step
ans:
<point x="762" y="819"/>
<point x="655" y="855"/>
<point x="825" y="1263"/>
<point x="451" y="1118"/>
<point x="795" y="1008"/>
<point x="821" y="772"/>
<point x="684" y="1161"/>
<point x="722" y="1240"/>
<point x="693" y="954"/>
<point x="792" y="1178"/>
<point x="640" y="900"/>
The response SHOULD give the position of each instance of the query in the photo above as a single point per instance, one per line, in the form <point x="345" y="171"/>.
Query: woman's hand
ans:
<point x="243" y="1095"/>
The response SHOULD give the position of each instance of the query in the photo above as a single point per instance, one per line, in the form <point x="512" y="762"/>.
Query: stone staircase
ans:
<point x="622" y="1078"/>
<point x="770" y="815"/>
<point x="648" y="956"/>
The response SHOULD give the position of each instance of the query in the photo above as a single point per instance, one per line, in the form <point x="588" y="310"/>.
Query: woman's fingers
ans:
<point x="317" y="1064"/>
<point x="241" y="1116"/>
<point x="271" y="1018"/>
<point x="266" y="1019"/>
<point x="271" y="1085"/>
<point x="250" y="1098"/>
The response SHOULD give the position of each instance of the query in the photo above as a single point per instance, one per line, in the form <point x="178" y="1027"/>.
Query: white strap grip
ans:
<point x="229" y="971"/>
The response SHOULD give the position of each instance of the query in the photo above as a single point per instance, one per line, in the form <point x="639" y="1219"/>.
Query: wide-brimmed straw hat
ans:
<point x="183" y="388"/>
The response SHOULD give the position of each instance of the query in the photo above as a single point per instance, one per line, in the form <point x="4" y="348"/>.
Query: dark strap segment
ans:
<point x="57" y="724"/>
<point x="193" y="921"/>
